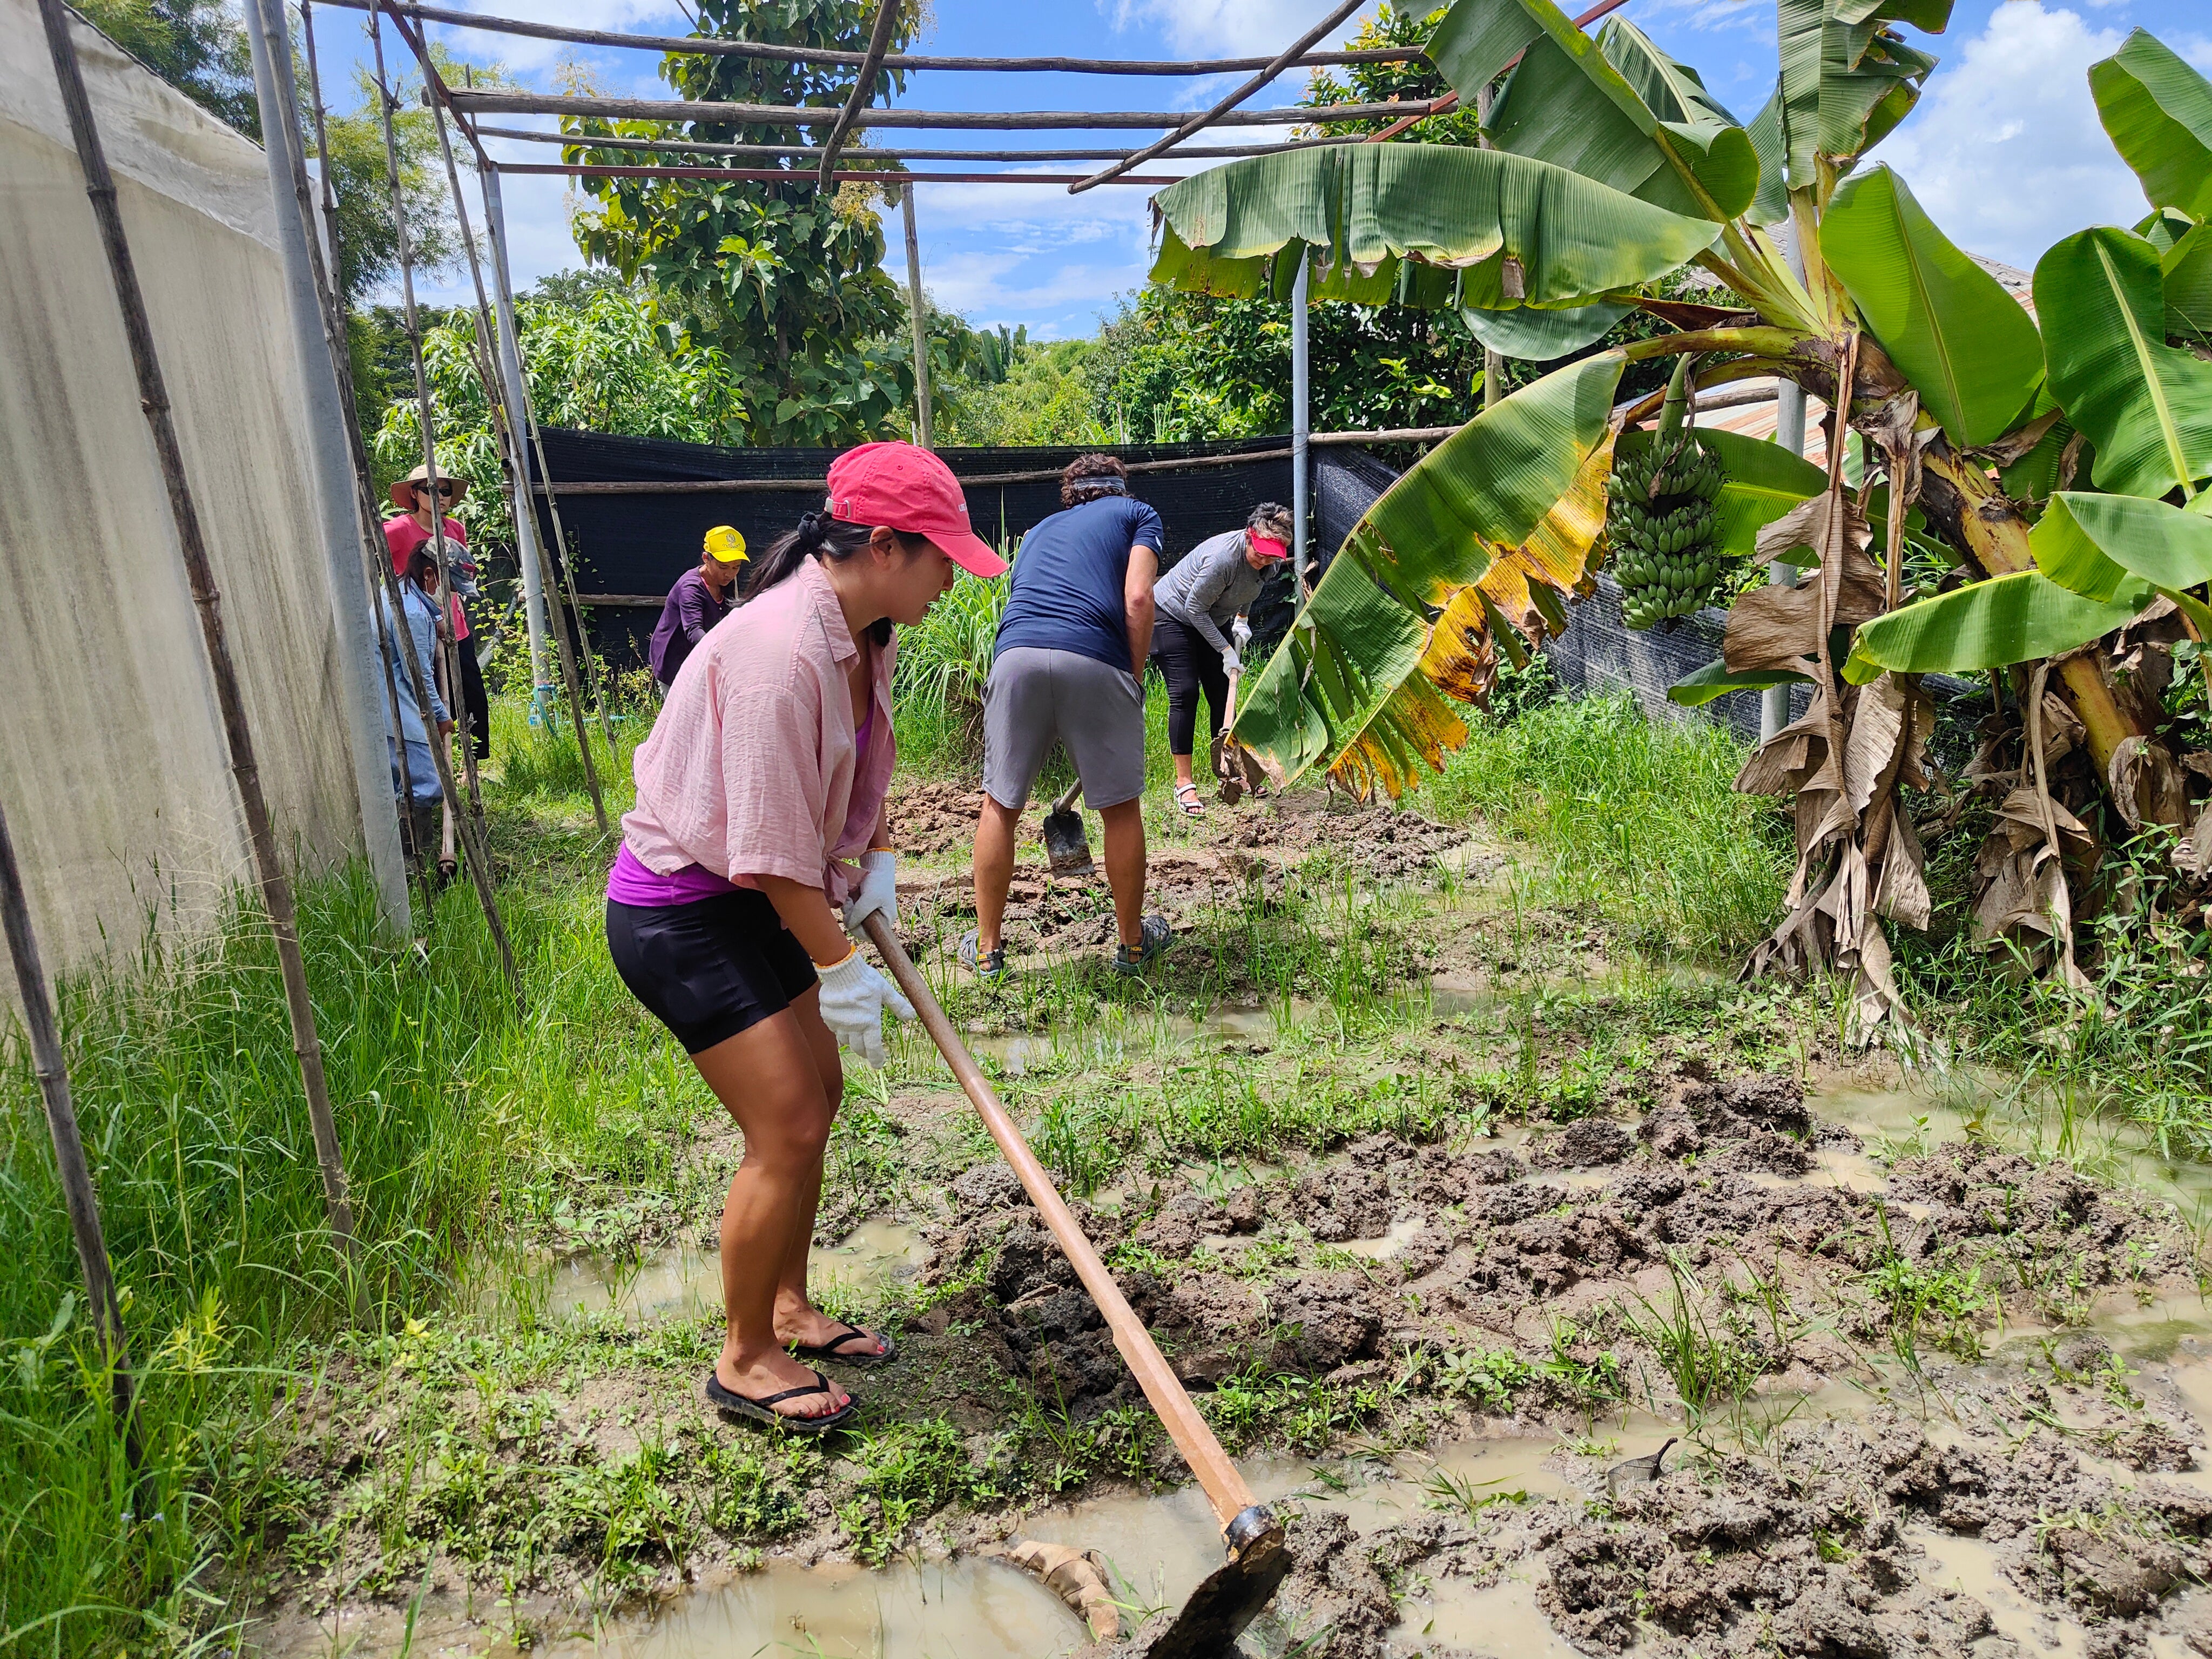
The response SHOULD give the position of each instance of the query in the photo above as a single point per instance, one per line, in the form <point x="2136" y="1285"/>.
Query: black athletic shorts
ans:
<point x="709" y="969"/>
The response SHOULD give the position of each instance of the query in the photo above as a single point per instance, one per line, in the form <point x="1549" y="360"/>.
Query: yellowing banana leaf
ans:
<point x="1965" y="344"/>
<point x="1557" y="552"/>
<point x="2185" y="277"/>
<point x="1399" y="621"/>
<point x="1992" y="624"/>
<point x="2145" y="404"/>
<point x="1581" y="104"/>
<point x="1846" y="80"/>
<point x="1765" y="480"/>
<point x="1716" y="679"/>
<point x="2158" y="112"/>
<point x="2103" y="546"/>
<point x="1542" y="337"/>
<point x="1367" y="206"/>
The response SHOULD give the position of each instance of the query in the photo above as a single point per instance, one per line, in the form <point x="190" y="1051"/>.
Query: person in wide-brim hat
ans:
<point x="403" y="490"/>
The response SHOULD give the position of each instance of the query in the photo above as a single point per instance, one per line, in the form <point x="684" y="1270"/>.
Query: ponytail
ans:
<point x="817" y="536"/>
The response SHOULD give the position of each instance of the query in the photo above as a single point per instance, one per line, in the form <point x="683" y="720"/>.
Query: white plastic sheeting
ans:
<point x="112" y="765"/>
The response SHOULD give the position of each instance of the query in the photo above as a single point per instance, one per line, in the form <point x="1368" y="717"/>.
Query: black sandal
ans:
<point x="834" y="1348"/>
<point x="764" y="1411"/>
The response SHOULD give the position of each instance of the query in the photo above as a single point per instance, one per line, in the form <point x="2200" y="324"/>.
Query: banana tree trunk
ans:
<point x="1974" y="515"/>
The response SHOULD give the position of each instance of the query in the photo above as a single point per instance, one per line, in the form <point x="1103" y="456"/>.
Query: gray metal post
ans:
<point x="361" y="689"/>
<point x="526" y="516"/>
<point x="1790" y="432"/>
<point x="917" y="311"/>
<point x="1301" y="430"/>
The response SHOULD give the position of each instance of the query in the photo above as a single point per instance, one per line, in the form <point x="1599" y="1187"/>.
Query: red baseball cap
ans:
<point x="909" y="488"/>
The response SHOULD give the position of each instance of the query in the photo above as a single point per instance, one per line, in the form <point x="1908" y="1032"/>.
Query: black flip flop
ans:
<point x="764" y="1411"/>
<point x="835" y="1348"/>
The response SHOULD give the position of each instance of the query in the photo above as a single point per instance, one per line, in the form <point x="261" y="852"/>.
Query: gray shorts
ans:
<point x="1097" y="710"/>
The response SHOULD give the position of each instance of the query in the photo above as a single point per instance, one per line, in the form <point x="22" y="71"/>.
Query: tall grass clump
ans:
<point x="1637" y="819"/>
<point x="188" y="1093"/>
<point x="943" y="663"/>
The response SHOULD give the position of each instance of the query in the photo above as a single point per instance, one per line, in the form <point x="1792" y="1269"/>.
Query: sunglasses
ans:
<point x="445" y="487"/>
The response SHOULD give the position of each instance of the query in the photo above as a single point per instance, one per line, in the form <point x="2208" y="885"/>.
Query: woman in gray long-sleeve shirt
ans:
<point x="1207" y="591"/>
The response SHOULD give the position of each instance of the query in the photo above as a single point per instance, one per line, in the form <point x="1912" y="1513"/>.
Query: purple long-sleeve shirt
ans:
<point x="691" y="610"/>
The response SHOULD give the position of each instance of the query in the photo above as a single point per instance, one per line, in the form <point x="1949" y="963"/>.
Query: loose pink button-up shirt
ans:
<point x="752" y="768"/>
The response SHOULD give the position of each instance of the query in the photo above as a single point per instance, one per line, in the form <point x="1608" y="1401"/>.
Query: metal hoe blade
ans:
<point x="1229" y="1599"/>
<point x="1064" y="848"/>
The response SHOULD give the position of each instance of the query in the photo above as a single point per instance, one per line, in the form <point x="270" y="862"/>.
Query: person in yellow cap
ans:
<point x="700" y="598"/>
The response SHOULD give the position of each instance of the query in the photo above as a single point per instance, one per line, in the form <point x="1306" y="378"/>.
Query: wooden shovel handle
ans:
<point x="1224" y="1487"/>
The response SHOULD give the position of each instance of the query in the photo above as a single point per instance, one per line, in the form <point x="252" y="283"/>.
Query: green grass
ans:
<point x="1635" y="820"/>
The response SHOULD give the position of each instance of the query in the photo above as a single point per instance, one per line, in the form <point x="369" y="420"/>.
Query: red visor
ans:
<point x="910" y="489"/>
<point x="1267" y="547"/>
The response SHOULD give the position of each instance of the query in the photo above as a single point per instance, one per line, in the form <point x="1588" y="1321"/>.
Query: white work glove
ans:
<point x="878" y="891"/>
<point x="1230" y="662"/>
<point x="853" y="998"/>
<point x="1240" y="634"/>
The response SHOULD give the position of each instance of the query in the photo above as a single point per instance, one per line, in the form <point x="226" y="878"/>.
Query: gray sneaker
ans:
<point x="1153" y="943"/>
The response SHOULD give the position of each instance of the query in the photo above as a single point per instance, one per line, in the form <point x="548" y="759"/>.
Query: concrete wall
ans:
<point x="112" y="766"/>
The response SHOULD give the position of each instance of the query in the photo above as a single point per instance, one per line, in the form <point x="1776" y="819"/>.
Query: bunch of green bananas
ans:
<point x="1660" y="520"/>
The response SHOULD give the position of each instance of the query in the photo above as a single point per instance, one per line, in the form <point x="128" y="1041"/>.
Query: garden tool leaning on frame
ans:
<point x="1233" y="1594"/>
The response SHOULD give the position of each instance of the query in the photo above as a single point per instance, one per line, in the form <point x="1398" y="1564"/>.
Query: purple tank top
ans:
<point x="629" y="882"/>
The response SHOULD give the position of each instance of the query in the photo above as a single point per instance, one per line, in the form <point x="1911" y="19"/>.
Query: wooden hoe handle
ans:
<point x="1225" y="1486"/>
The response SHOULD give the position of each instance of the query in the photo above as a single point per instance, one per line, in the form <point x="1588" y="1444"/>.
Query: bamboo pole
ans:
<point x="78" y="1196"/>
<point x="903" y="153"/>
<point x="376" y="558"/>
<point x="864" y="83"/>
<point x="675" y="110"/>
<point x="472" y="830"/>
<point x="519" y="390"/>
<point x="261" y="832"/>
<point x="1301" y="435"/>
<point x="790" y="176"/>
<point x="1267" y="72"/>
<point x="706" y="46"/>
<point x="918" y="314"/>
<point x="535" y="568"/>
<point x="426" y="417"/>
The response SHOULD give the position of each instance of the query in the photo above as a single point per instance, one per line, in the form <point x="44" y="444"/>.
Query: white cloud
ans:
<point x="2005" y="151"/>
<point x="1236" y="28"/>
<point x="522" y="53"/>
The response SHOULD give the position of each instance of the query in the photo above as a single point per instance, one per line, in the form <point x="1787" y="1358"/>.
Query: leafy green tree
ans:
<point x="1416" y="81"/>
<point x="199" y="46"/>
<point x="785" y="281"/>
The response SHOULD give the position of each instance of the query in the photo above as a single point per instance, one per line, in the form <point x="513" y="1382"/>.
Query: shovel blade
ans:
<point x="1221" y="1608"/>
<point x="1065" y="850"/>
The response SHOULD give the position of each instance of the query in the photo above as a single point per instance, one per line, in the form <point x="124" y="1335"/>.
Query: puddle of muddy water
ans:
<point x="970" y="1608"/>
<point x="1971" y="1564"/>
<point x="683" y="1281"/>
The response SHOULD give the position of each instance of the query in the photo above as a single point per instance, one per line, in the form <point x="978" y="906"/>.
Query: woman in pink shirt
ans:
<point x="760" y="790"/>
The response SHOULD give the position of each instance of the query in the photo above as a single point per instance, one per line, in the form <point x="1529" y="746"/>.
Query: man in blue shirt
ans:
<point x="1069" y="664"/>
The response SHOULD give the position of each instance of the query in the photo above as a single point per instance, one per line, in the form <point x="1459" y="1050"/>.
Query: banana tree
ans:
<point x="1612" y="164"/>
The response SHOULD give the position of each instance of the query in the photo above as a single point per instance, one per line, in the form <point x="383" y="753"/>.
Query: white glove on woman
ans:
<point x="1230" y="662"/>
<point x="853" y="998"/>
<point x="878" y="891"/>
<point x="1240" y="634"/>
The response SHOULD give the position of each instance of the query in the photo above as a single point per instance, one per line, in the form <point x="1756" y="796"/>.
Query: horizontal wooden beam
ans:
<point x="479" y="102"/>
<point x="704" y="46"/>
<point x="794" y="176"/>
<point x="903" y="153"/>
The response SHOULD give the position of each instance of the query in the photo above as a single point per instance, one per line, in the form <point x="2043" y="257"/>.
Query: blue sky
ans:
<point x="2005" y="150"/>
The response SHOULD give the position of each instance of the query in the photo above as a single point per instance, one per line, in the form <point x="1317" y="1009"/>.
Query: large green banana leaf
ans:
<point x="2185" y="277"/>
<point x="1847" y="79"/>
<point x="1542" y="337"/>
<point x="2158" y="112"/>
<point x="1461" y="213"/>
<point x="1993" y="624"/>
<point x="1581" y="103"/>
<point x="1965" y="344"/>
<point x="2104" y="546"/>
<point x="1771" y="204"/>
<point x="2145" y="404"/>
<point x="1765" y="480"/>
<point x="1392" y="633"/>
